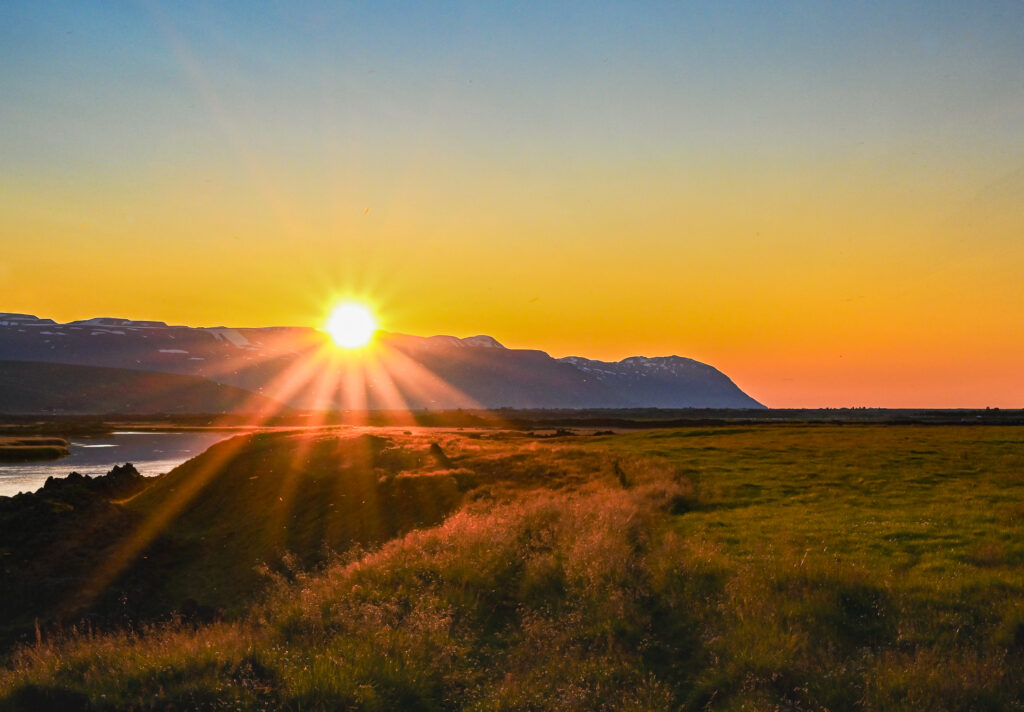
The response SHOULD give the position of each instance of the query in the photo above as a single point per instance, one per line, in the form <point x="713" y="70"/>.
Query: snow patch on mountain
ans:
<point x="233" y="336"/>
<point x="482" y="341"/>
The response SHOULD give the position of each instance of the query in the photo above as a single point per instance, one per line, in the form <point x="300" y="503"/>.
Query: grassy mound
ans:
<point x="475" y="613"/>
<point x="254" y="498"/>
<point x="194" y="540"/>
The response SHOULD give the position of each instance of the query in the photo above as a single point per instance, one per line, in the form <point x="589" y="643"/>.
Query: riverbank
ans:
<point x="32" y="449"/>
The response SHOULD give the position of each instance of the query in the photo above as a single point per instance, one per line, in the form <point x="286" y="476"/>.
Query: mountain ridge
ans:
<point x="405" y="371"/>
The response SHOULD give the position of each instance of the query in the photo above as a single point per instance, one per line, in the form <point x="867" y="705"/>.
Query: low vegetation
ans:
<point x="29" y="448"/>
<point x="732" y="568"/>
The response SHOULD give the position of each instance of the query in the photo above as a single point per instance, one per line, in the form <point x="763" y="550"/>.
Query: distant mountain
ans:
<point x="666" y="382"/>
<point x="299" y="367"/>
<point x="29" y="388"/>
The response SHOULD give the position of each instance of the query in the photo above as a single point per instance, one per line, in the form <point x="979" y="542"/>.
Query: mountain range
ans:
<point x="221" y="369"/>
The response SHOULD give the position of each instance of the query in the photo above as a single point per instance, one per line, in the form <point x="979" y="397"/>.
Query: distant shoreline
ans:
<point x="56" y="427"/>
<point x="32" y="449"/>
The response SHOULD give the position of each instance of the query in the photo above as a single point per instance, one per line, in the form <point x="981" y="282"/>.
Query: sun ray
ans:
<point x="388" y="395"/>
<point x="289" y="219"/>
<point x="294" y="378"/>
<point x="353" y="395"/>
<point x="381" y="378"/>
<point x="278" y="517"/>
<point x="421" y="382"/>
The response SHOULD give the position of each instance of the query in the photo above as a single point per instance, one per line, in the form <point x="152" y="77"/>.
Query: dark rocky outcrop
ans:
<point x="121" y="482"/>
<point x="52" y="539"/>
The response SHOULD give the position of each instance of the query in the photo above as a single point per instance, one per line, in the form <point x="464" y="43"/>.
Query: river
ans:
<point x="152" y="453"/>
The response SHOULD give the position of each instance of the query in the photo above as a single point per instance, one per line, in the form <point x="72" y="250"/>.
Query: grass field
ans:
<point x="735" y="568"/>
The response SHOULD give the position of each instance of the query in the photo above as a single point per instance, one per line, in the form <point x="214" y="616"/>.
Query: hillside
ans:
<point x="717" y="568"/>
<point x="195" y="537"/>
<point x="37" y="387"/>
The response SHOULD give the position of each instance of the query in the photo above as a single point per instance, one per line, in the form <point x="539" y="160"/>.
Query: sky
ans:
<point x="825" y="200"/>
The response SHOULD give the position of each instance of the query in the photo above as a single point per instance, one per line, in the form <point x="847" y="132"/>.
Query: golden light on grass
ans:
<point x="351" y="325"/>
<point x="339" y="388"/>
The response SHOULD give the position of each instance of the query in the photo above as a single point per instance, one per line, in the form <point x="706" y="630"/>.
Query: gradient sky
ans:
<point x="823" y="199"/>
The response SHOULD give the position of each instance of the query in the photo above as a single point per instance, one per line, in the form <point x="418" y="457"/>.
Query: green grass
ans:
<point x="889" y="558"/>
<point x="788" y="567"/>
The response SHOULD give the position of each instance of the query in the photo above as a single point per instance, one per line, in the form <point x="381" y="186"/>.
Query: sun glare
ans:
<point x="351" y="325"/>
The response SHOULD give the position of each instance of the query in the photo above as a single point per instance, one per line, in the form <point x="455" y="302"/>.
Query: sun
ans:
<point x="351" y="325"/>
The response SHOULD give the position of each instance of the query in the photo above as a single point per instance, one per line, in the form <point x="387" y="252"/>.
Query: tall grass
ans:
<point x="473" y="614"/>
<point x="725" y="579"/>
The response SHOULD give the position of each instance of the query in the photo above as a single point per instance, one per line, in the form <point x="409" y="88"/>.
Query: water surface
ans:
<point x="151" y="453"/>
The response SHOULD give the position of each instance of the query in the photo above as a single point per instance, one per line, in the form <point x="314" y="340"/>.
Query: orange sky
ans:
<point x="831" y="223"/>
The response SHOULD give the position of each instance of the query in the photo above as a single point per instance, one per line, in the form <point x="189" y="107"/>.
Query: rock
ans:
<point x="442" y="460"/>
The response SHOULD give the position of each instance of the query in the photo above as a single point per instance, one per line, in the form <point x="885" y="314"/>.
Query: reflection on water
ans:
<point x="151" y="453"/>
